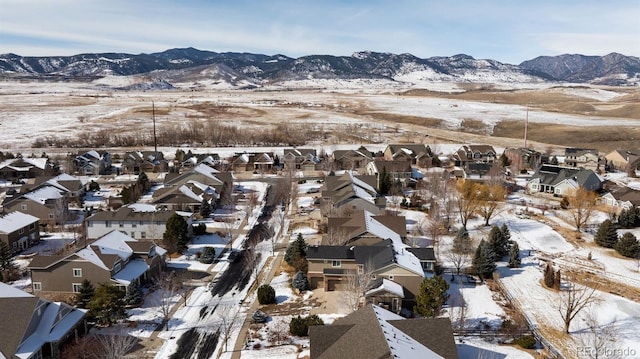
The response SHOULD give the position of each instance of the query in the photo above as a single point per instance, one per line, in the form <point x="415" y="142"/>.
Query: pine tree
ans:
<point x="176" y="235"/>
<point x="627" y="218"/>
<point x="514" y="256"/>
<point x="85" y="294"/>
<point x="431" y="297"/>
<point x="549" y="275"/>
<point x="483" y="263"/>
<point x="297" y="250"/>
<point x="107" y="305"/>
<point x="134" y="294"/>
<point x="385" y="182"/>
<point x="628" y="246"/>
<point x="462" y="242"/>
<point x="300" y="281"/>
<point x="205" y="208"/>
<point x="506" y="233"/>
<point x="6" y="257"/>
<point x="606" y="235"/>
<point x="499" y="245"/>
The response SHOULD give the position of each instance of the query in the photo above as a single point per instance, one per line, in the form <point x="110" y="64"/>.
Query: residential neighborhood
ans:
<point x="354" y="243"/>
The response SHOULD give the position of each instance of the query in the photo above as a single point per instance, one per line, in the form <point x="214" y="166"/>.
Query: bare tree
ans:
<point x="598" y="341"/>
<point x="459" y="260"/>
<point x="582" y="202"/>
<point x="252" y="201"/>
<point x="224" y="321"/>
<point x="357" y="283"/>
<point x="114" y="346"/>
<point x="490" y="198"/>
<point x="167" y="289"/>
<point x="337" y="236"/>
<point x="467" y="201"/>
<point x="573" y="300"/>
<point x="457" y="309"/>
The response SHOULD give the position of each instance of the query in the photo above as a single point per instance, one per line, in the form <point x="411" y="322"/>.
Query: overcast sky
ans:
<point x="507" y="31"/>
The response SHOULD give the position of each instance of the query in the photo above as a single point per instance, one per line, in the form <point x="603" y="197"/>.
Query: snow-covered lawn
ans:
<point x="482" y="311"/>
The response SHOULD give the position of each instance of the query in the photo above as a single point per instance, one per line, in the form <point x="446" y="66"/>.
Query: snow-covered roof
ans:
<point x="358" y="182"/>
<point x="113" y="242"/>
<point x="15" y="220"/>
<point x="207" y="171"/>
<point x="7" y="291"/>
<point x="133" y="270"/>
<point x="142" y="207"/>
<point x="189" y="193"/>
<point x="50" y="328"/>
<point x="361" y="193"/>
<point x="388" y="286"/>
<point x="42" y="194"/>
<point x="400" y="344"/>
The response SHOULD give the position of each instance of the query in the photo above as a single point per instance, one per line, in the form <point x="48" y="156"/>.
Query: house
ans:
<point x="351" y="160"/>
<point x="136" y="162"/>
<point x="620" y="197"/>
<point x="35" y="327"/>
<point x="19" y="230"/>
<point x="399" y="170"/>
<point x="92" y="163"/>
<point x="253" y="162"/>
<point x="70" y="186"/>
<point x="202" y="173"/>
<point x="114" y="258"/>
<point x="560" y="181"/>
<point x="373" y="332"/>
<point x="582" y="158"/>
<point x="47" y="202"/>
<point x="347" y="193"/>
<point x="191" y="160"/>
<point x="364" y="228"/>
<point x="300" y="159"/>
<point x="523" y="158"/>
<point x="416" y="154"/>
<point x="22" y="167"/>
<point x="478" y="171"/>
<point x="621" y="159"/>
<point x="186" y="197"/>
<point x="136" y="220"/>
<point x="473" y="154"/>
<point x="330" y="268"/>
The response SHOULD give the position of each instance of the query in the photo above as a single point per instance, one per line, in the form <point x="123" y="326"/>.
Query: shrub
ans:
<point x="266" y="294"/>
<point x="628" y="245"/>
<point x="300" y="326"/>
<point x="607" y="235"/>
<point x="564" y="204"/>
<point x="200" y="229"/>
<point x="208" y="255"/>
<point x="526" y="341"/>
<point x="300" y="281"/>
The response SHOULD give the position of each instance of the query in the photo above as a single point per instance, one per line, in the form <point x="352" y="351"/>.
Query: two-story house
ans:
<point x="253" y="162"/>
<point x="92" y="163"/>
<point x="48" y="203"/>
<point x="347" y="193"/>
<point x="474" y="154"/>
<point x="136" y="162"/>
<point x="19" y="230"/>
<point x="34" y="327"/>
<point x="300" y="159"/>
<point x="23" y="167"/>
<point x="560" y="181"/>
<point x="624" y="160"/>
<point x="398" y="170"/>
<point x="417" y="154"/>
<point x="586" y="158"/>
<point x="135" y="220"/>
<point x="351" y="160"/>
<point x="113" y="258"/>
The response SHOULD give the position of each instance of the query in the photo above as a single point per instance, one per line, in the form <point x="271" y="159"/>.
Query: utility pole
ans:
<point x="526" y="126"/>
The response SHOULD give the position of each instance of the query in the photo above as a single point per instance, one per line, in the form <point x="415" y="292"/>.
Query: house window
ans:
<point x="51" y="216"/>
<point x="76" y="287"/>
<point x="77" y="272"/>
<point x="107" y="224"/>
<point x="390" y="277"/>
<point x="133" y="234"/>
<point x="21" y="231"/>
<point x="117" y="267"/>
<point x="360" y="269"/>
<point x="134" y="224"/>
<point x="32" y="226"/>
<point x="143" y="235"/>
<point x="23" y="207"/>
<point x="37" y="286"/>
<point x="89" y="224"/>
<point x="121" y="224"/>
<point x="335" y="264"/>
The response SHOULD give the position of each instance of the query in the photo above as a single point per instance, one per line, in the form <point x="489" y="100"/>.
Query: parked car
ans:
<point x="313" y="190"/>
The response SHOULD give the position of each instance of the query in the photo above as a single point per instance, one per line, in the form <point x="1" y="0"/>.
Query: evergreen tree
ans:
<point x="628" y="246"/>
<point x="504" y="160"/>
<point x="176" y="235"/>
<point x="549" y="275"/>
<point x="107" y="305"/>
<point x="431" y="297"/>
<point x="205" y="208"/>
<point x="462" y="242"/>
<point x="134" y="294"/>
<point x="6" y="257"/>
<point x="554" y="161"/>
<point x="300" y="281"/>
<point x="506" y="233"/>
<point x="514" y="256"/>
<point x="483" y="263"/>
<point x="85" y="294"/>
<point x="627" y="218"/>
<point x="385" y="182"/>
<point x="498" y="243"/>
<point x="606" y="235"/>
<point x="296" y="251"/>
<point x="266" y="294"/>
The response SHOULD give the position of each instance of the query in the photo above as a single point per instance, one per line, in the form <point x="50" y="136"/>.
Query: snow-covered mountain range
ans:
<point x="254" y="70"/>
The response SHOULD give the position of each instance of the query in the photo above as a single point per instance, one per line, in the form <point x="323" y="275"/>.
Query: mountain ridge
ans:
<point x="256" y="69"/>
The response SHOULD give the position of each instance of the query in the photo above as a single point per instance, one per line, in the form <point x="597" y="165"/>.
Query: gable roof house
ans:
<point x="92" y="163"/>
<point x="474" y="154"/>
<point x="24" y="167"/>
<point x="621" y="159"/>
<point x="19" y="230"/>
<point x="373" y="332"/>
<point x="114" y="258"/>
<point x="523" y="158"/>
<point x="300" y="159"/>
<point x="252" y="162"/>
<point x="192" y="160"/>
<point x="136" y="162"/>
<point x="138" y="221"/>
<point x="186" y="197"/>
<point x="415" y="153"/>
<point x="364" y="228"/>
<point x="399" y="170"/>
<point x="620" y="197"/>
<point x="201" y="173"/>
<point x="560" y="181"/>
<point x="47" y="202"/>
<point x="582" y="158"/>
<point x="69" y="186"/>
<point x="347" y="193"/>
<point x="351" y="160"/>
<point x="35" y="327"/>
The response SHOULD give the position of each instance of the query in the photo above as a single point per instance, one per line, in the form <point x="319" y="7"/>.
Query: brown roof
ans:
<point x="128" y="214"/>
<point x="15" y="314"/>
<point x="355" y="225"/>
<point x="42" y="262"/>
<point x="141" y="246"/>
<point x="366" y="334"/>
